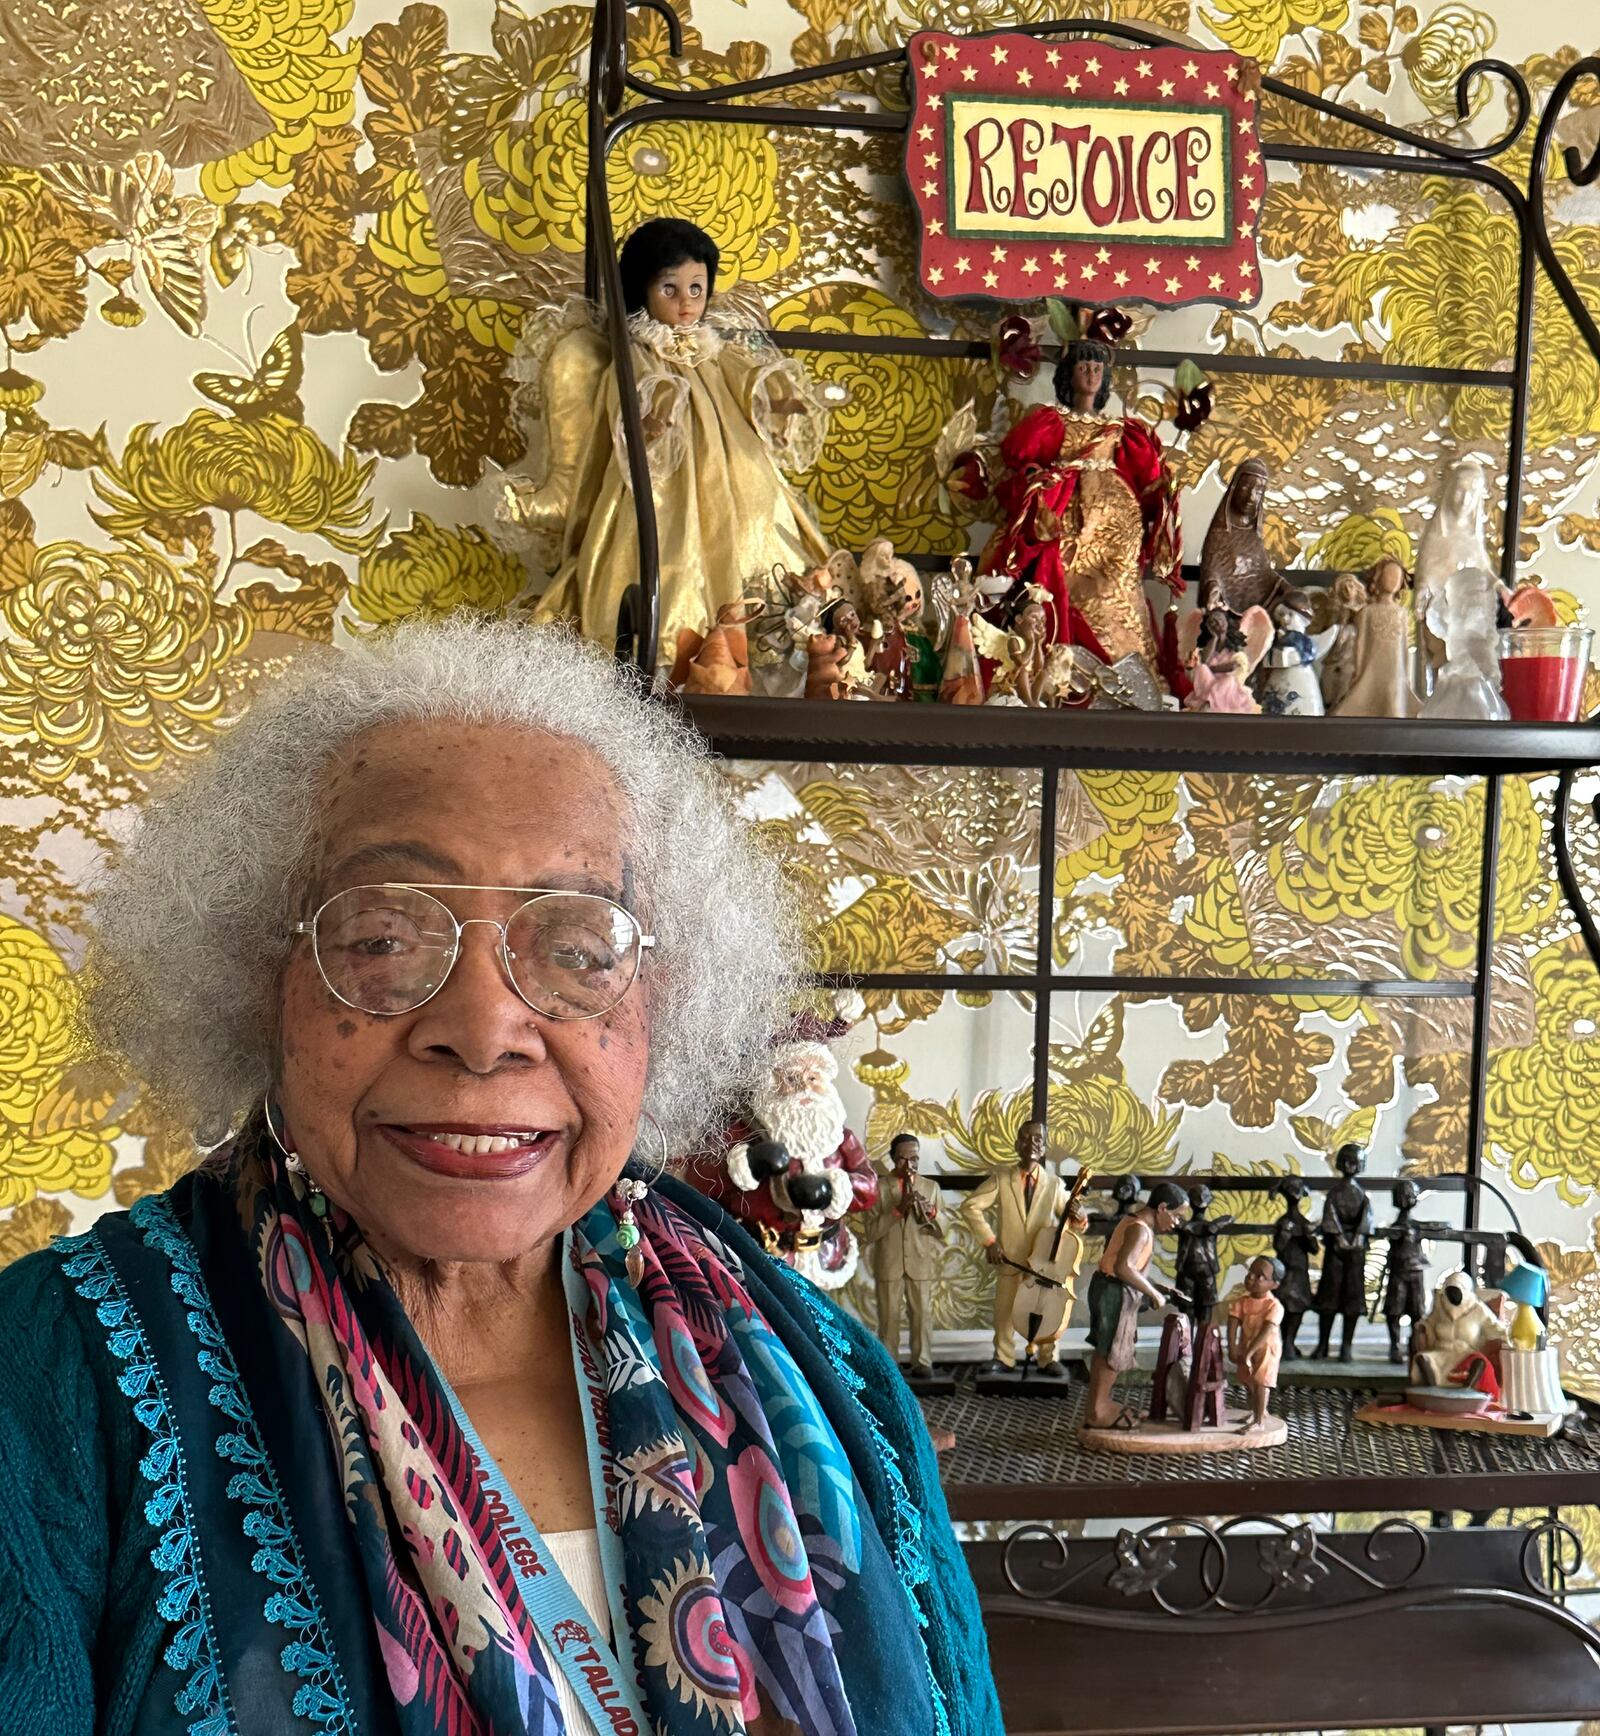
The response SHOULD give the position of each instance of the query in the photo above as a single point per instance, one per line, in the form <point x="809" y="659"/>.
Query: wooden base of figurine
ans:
<point x="1408" y="1417"/>
<point x="1025" y="1381"/>
<point x="1166" y="1437"/>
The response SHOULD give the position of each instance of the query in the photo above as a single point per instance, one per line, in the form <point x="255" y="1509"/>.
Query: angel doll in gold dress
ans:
<point x="725" y="414"/>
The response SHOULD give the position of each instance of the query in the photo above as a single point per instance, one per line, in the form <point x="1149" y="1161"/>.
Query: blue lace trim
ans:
<point x="322" y="1697"/>
<point x="907" y="1550"/>
<point x="183" y="1599"/>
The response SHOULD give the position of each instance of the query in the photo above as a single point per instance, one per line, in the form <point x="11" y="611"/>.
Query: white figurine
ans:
<point x="1338" y="670"/>
<point x="1290" y="687"/>
<point x="1463" y="616"/>
<point x="1459" y="1323"/>
<point x="1453" y="538"/>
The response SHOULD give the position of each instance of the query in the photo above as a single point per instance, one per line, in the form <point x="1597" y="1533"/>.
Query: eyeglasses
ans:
<point x="388" y="949"/>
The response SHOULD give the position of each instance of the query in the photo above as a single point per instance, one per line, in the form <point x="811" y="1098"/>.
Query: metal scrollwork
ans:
<point x="1556" y="1542"/>
<point x="1581" y="174"/>
<point x="1565" y="871"/>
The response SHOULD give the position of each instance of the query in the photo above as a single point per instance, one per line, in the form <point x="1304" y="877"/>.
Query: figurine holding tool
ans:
<point x="1118" y="1291"/>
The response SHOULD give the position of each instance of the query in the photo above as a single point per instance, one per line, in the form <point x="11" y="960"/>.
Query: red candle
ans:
<point x="1542" y="671"/>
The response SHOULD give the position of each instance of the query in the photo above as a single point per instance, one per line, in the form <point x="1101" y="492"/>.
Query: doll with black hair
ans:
<point x="1089" y="508"/>
<point x="724" y="415"/>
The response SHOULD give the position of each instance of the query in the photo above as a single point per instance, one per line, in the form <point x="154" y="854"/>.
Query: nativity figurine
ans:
<point x="726" y="417"/>
<point x="1236" y="571"/>
<point x="960" y="677"/>
<point x="1462" y="617"/>
<point x="903" y="662"/>
<point x="1088" y="507"/>
<point x="717" y="662"/>
<point x="836" y="660"/>
<point x="1382" y="683"/>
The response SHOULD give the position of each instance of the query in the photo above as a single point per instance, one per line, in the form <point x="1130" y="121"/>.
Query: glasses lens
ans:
<point x="384" y="949"/>
<point x="573" y="956"/>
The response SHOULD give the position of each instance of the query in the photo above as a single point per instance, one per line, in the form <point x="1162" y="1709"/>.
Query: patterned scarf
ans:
<point x="737" y="1508"/>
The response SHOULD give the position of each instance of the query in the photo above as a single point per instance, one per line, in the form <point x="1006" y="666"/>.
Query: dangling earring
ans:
<point x="632" y="1186"/>
<point x="294" y="1163"/>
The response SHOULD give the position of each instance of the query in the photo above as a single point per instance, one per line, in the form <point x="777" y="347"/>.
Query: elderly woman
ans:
<point x="429" y="1404"/>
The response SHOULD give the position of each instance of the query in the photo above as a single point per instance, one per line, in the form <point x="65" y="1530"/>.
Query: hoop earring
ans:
<point x="293" y="1162"/>
<point x="633" y="1185"/>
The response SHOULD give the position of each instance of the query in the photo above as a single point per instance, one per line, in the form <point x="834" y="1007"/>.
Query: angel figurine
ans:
<point x="904" y="660"/>
<point x="1289" y="687"/>
<point x="725" y="415"/>
<point x="1382" y="684"/>
<point x="1221" y="655"/>
<point x="957" y="593"/>
<point x="1453" y="538"/>
<point x="1029" y="669"/>
<point x="779" y="654"/>
<point x="836" y="659"/>
<point x="1089" y="506"/>
<point x="1348" y="595"/>
<point x="1462" y="617"/>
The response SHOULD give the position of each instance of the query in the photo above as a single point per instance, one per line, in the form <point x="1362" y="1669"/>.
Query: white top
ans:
<point x="577" y="1554"/>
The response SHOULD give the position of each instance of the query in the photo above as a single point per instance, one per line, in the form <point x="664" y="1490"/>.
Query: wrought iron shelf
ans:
<point x="1003" y="735"/>
<point x="1018" y="1458"/>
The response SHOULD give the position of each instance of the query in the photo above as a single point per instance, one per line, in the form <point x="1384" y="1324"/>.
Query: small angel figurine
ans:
<point x="836" y="660"/>
<point x="1029" y="671"/>
<point x="1255" y="1336"/>
<point x="905" y="662"/>
<point x="958" y="591"/>
<point x="778" y="641"/>
<point x="1453" y="538"/>
<point x="1462" y="617"/>
<point x="1221" y="657"/>
<point x="1349" y="598"/>
<point x="1289" y="688"/>
<point x="717" y="661"/>
<point x="725" y="415"/>
<point x="1382" y="687"/>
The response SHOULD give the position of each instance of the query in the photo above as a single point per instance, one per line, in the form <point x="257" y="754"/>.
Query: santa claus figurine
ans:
<point x="789" y="1169"/>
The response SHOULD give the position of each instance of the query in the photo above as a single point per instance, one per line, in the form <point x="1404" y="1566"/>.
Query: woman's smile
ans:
<point x="471" y="1153"/>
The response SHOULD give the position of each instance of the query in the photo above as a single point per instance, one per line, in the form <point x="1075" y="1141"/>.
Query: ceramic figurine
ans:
<point x="1088" y="507"/>
<point x="1289" y="688"/>
<point x="1220" y="651"/>
<point x="1349" y="596"/>
<point x="960" y="681"/>
<point x="1294" y="1241"/>
<point x="1198" y="1266"/>
<point x="1404" y="1267"/>
<point x="1382" y="687"/>
<point x="1459" y="1325"/>
<point x="1346" y="1231"/>
<point x="1029" y="669"/>
<point x="1462" y="616"/>
<point x="903" y="661"/>
<point x="718" y="662"/>
<point x="836" y="662"/>
<point x="725" y="415"/>
<point x="1024" y="1200"/>
<point x="1236" y="572"/>
<point x="904" y="1237"/>
<point x="1255" y="1341"/>
<point x="1118" y="1290"/>
<point x="1453" y="538"/>
<point x="780" y="640"/>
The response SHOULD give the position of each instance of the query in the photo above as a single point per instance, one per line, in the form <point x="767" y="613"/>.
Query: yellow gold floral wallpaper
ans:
<point x="263" y="264"/>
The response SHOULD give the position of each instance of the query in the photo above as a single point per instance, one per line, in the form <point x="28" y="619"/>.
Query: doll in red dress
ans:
<point x="1090" y="506"/>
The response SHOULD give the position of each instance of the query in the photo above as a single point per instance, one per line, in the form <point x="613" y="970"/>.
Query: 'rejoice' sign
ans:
<point x="1074" y="168"/>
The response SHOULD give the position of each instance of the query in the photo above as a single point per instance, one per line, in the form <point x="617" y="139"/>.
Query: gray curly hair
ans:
<point x="192" y="928"/>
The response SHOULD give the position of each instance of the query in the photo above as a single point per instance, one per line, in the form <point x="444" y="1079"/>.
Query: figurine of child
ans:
<point x="836" y="660"/>
<point x="1255" y="1336"/>
<point x="1462" y="616"/>
<point x="725" y="414"/>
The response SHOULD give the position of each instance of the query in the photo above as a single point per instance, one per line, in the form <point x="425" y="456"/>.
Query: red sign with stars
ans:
<point x="1103" y="174"/>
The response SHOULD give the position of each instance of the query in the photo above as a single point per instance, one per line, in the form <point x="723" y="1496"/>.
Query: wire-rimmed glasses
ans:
<point x="388" y="949"/>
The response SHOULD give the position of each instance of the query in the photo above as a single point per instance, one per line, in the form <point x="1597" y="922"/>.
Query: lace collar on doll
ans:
<point x="686" y="345"/>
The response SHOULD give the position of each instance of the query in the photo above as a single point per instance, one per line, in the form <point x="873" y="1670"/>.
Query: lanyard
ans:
<point x="608" y="1693"/>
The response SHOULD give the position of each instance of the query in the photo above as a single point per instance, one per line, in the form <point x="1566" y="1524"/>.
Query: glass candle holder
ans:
<point x="1542" y="671"/>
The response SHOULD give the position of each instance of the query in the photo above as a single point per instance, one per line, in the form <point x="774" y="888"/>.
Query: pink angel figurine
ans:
<point x="1221" y="665"/>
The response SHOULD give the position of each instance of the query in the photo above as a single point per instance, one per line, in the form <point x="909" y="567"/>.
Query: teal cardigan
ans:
<point x="85" y="1649"/>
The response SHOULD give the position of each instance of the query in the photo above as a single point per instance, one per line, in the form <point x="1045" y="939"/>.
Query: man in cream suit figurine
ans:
<point x="1025" y="1199"/>
<point x="904" y="1237"/>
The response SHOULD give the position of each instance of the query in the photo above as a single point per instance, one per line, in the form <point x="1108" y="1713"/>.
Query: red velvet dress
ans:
<point x="1089" y="506"/>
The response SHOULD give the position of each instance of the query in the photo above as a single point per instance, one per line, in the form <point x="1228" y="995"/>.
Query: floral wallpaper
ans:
<point x="263" y="266"/>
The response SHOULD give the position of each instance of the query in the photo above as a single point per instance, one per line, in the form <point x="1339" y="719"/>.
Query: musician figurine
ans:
<point x="1294" y="1241"/>
<point x="1198" y="1267"/>
<point x="1027" y="1201"/>
<point x="904" y="1236"/>
<point x="1117" y="1292"/>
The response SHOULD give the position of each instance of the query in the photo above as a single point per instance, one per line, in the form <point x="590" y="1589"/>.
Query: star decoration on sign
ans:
<point x="936" y="226"/>
<point x="1031" y="266"/>
<point x="999" y="256"/>
<point x="1061" y="280"/>
<point x="1072" y="82"/>
<point x="1152" y="263"/>
<point x="1121" y="87"/>
<point x="1191" y="263"/>
<point x="924" y="132"/>
<point x="1103" y="255"/>
<point x="990" y="281"/>
<point x="1212" y="92"/>
<point x="1144" y="69"/>
<point x="1088" y="271"/>
<point x="1121" y="280"/>
<point x="1024" y="77"/>
<point x="1167" y="87"/>
<point x="1057" y="257"/>
<point x="1173" y="286"/>
<point x="929" y="188"/>
<point x="999" y="56"/>
<point x="930" y="160"/>
<point x="1215" y="280"/>
<point x="1053" y="58"/>
<point x="951" y="50"/>
<point x="969" y="73"/>
<point x="1092" y="67"/>
<point x="935" y="275"/>
<point x="963" y="264"/>
<point x="1190" y="70"/>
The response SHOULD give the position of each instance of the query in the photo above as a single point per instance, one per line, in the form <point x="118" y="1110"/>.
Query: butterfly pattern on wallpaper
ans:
<point x="271" y="389"/>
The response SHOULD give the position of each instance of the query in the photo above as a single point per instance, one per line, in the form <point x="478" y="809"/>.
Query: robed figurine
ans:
<point x="724" y="414"/>
<point x="1089" y="506"/>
